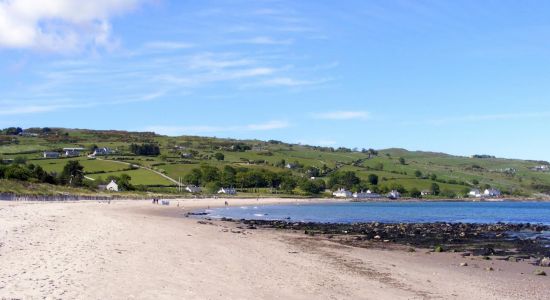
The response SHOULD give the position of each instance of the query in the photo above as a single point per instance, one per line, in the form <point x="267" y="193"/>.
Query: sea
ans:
<point x="394" y="212"/>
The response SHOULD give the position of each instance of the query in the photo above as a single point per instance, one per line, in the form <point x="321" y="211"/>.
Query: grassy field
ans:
<point x="139" y="177"/>
<point x="453" y="173"/>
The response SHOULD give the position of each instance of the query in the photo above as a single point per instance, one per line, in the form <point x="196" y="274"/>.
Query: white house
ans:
<point x="112" y="186"/>
<point x="370" y="194"/>
<point x="541" y="168"/>
<point x="51" y="154"/>
<point x="228" y="191"/>
<point x="193" y="189"/>
<point x="342" y="193"/>
<point x="491" y="193"/>
<point x="366" y="195"/>
<point x="290" y="166"/>
<point x="102" y="151"/>
<point x="359" y="195"/>
<point x="475" y="193"/>
<point x="394" y="194"/>
<point x="426" y="193"/>
<point x="71" y="152"/>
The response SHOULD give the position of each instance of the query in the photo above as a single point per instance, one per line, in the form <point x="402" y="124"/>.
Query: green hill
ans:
<point x="153" y="156"/>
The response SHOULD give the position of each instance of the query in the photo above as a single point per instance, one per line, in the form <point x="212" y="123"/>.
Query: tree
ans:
<point x="219" y="156"/>
<point x="435" y="189"/>
<point x="288" y="183"/>
<point x="213" y="187"/>
<point x="194" y="177"/>
<point x="475" y="182"/>
<point x="145" y="149"/>
<point x="402" y="161"/>
<point x="415" y="193"/>
<point x="433" y="177"/>
<point x="343" y="179"/>
<point x="373" y="179"/>
<point x="227" y="176"/>
<point x="398" y="187"/>
<point x="13" y="130"/>
<point x="417" y="173"/>
<point x="72" y="173"/>
<point x="17" y="172"/>
<point x="210" y="173"/>
<point x="124" y="182"/>
<point x="312" y="187"/>
<point x="379" y="166"/>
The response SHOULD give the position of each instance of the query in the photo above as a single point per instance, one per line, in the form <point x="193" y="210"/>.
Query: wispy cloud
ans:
<point x="290" y="82"/>
<point x="207" y="129"/>
<point x="34" y="109"/>
<point x="342" y="115"/>
<point x="490" y="117"/>
<point x="265" y="40"/>
<point x="167" y="45"/>
<point x="268" y="125"/>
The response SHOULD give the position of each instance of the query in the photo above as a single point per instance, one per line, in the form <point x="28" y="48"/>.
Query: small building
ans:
<point x="394" y="194"/>
<point x="541" y="168"/>
<point x="491" y="193"/>
<point x="112" y="186"/>
<point x="28" y="134"/>
<point x="102" y="151"/>
<point x="366" y="195"/>
<point x="359" y="195"/>
<point x="193" y="189"/>
<point x="187" y="155"/>
<point x="227" y="191"/>
<point x="73" y="151"/>
<point x="51" y="154"/>
<point x="476" y="193"/>
<point x="342" y="193"/>
<point x="290" y="166"/>
<point x="425" y="192"/>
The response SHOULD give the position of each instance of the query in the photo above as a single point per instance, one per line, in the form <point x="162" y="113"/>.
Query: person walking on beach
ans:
<point x="226" y="204"/>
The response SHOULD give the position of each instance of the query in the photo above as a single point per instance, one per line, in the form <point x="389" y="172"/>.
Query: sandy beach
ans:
<point x="136" y="250"/>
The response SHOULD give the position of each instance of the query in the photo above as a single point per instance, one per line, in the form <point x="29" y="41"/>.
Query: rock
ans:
<point x="464" y="264"/>
<point x="539" y="273"/>
<point x="466" y="254"/>
<point x="545" y="262"/>
<point x="512" y="259"/>
<point x="489" y="269"/>
<point x="411" y="250"/>
<point x="377" y="237"/>
<point x="488" y="251"/>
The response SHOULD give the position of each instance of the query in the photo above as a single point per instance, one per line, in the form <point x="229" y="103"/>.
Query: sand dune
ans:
<point x="134" y="250"/>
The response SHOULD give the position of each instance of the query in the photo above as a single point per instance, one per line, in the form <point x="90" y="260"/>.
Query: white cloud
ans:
<point x="206" y="129"/>
<point x="59" y="25"/>
<point x="167" y="45"/>
<point x="342" y="115"/>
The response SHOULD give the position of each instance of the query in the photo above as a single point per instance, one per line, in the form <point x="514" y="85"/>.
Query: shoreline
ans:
<point x="137" y="250"/>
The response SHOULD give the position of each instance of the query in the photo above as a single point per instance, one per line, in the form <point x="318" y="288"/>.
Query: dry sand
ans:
<point x="136" y="250"/>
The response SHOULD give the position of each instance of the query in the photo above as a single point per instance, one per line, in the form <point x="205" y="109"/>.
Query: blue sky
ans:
<point x="461" y="77"/>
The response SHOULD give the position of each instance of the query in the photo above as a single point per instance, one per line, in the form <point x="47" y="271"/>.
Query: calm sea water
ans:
<point x="395" y="212"/>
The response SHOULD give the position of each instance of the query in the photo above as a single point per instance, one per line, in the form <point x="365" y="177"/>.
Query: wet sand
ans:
<point x="136" y="250"/>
